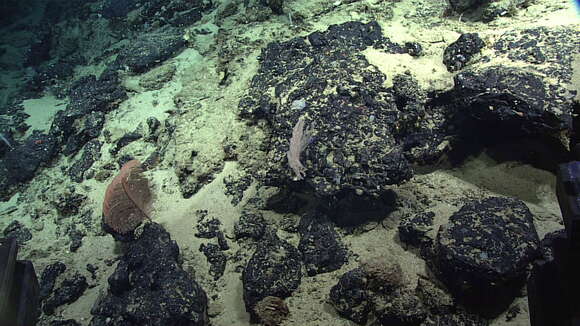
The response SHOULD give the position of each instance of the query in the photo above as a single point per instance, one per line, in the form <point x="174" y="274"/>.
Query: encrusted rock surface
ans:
<point x="150" y="287"/>
<point x="274" y="270"/>
<point x="320" y="245"/>
<point x="482" y="253"/>
<point x="365" y="135"/>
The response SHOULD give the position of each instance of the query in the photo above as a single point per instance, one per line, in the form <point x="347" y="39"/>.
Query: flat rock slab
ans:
<point x="150" y="50"/>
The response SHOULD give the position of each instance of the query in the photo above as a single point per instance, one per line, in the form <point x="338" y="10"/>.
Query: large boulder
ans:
<point x="361" y="136"/>
<point x="513" y="99"/>
<point x="149" y="287"/>
<point x="378" y="287"/>
<point x="68" y="292"/>
<point x="350" y="296"/>
<point x="273" y="271"/>
<point x="521" y="86"/>
<point x="482" y="253"/>
<point x="320" y="245"/>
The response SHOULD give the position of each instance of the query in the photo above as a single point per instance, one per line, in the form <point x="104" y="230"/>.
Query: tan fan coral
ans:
<point x="127" y="199"/>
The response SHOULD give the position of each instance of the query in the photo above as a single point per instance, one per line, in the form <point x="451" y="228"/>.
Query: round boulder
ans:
<point x="481" y="254"/>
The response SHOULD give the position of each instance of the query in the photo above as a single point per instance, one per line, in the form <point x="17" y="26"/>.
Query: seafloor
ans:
<point x="212" y="112"/>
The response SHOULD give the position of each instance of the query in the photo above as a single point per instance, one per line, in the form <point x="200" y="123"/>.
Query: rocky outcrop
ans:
<point x="149" y="287"/>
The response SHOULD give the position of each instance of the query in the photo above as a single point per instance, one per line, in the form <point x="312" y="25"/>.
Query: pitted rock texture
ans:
<point x="364" y="135"/>
<point x="482" y="253"/>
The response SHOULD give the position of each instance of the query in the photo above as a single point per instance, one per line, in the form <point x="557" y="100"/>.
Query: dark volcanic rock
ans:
<point x="119" y="281"/>
<point x="157" y="12"/>
<point x="91" y="153"/>
<point x="76" y="239"/>
<point x="359" y="127"/>
<point x="68" y="203"/>
<point x="350" y="209"/>
<point x="149" y="287"/>
<point x="20" y="164"/>
<point x="350" y="297"/>
<point x="274" y="270"/>
<point x="48" y="278"/>
<point x="414" y="49"/>
<point x="83" y="119"/>
<point x="51" y="73"/>
<point x="88" y="129"/>
<point x="23" y="161"/>
<point x="250" y="225"/>
<point x="125" y="140"/>
<point x="216" y="259"/>
<point x="482" y="253"/>
<point x="549" y="50"/>
<point x="402" y="308"/>
<point x="368" y="289"/>
<point x="68" y="292"/>
<point x="463" y="5"/>
<point x="413" y="229"/>
<point x="90" y="94"/>
<point x="235" y="187"/>
<point x="151" y="49"/>
<point x="458" y="53"/>
<point x="207" y="228"/>
<point x="18" y="231"/>
<point x="503" y="96"/>
<point x="513" y="100"/>
<point x="550" y="286"/>
<point x="320" y="245"/>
